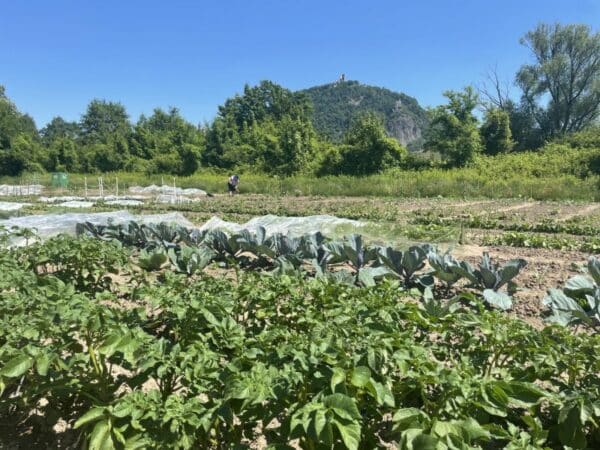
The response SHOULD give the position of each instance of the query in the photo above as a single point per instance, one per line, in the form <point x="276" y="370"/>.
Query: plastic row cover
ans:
<point x="165" y="189"/>
<point x="292" y="226"/>
<point x="106" y="198"/>
<point x="12" y="206"/>
<point x="29" y="189"/>
<point x="53" y="224"/>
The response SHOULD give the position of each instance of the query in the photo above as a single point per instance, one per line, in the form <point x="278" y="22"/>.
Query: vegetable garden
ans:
<point x="141" y="336"/>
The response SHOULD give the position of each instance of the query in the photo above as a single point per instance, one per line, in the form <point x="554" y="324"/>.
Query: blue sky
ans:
<point x="55" y="56"/>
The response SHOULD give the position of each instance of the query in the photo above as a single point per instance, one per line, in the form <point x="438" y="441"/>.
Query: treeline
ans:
<point x="269" y="129"/>
<point x="266" y="129"/>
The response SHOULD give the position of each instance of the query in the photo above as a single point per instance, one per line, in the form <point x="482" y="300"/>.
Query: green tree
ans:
<point x="366" y="149"/>
<point x="453" y="129"/>
<point x="19" y="139"/>
<point x="62" y="155"/>
<point x="268" y="128"/>
<point x="58" y="128"/>
<point x="172" y="144"/>
<point x="496" y="133"/>
<point x="561" y="87"/>
<point x="103" y="121"/>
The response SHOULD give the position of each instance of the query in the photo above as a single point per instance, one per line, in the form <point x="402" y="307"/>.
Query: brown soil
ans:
<point x="545" y="269"/>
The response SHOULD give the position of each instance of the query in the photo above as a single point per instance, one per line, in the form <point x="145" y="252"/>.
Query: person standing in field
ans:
<point x="232" y="184"/>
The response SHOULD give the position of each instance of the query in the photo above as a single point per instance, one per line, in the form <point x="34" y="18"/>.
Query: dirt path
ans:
<point x="468" y="203"/>
<point x="517" y="207"/>
<point x="586" y="211"/>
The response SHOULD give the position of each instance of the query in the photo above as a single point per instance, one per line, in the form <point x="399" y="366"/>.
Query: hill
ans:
<point x="336" y="104"/>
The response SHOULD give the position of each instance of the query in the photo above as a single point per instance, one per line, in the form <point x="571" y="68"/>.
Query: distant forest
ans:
<point x="340" y="128"/>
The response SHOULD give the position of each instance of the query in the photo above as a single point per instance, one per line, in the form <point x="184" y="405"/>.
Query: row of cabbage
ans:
<point x="348" y="261"/>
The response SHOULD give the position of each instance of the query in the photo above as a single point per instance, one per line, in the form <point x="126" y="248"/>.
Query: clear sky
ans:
<point x="55" y="56"/>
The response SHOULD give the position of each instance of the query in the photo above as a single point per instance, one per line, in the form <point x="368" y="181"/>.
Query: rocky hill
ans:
<point x="336" y="104"/>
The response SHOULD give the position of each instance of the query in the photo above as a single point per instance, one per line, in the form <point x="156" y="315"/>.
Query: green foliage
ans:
<point x="366" y="150"/>
<point x="212" y="363"/>
<point x="170" y="143"/>
<point x="267" y="128"/>
<point x="85" y="262"/>
<point x="534" y="240"/>
<point x="19" y="140"/>
<point x="495" y="132"/>
<point x="579" y="300"/>
<point x="453" y="129"/>
<point x="58" y="128"/>
<point x="566" y="68"/>
<point x="104" y="121"/>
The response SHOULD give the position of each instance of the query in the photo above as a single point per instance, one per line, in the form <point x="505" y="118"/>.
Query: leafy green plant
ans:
<point x="405" y="264"/>
<point x="579" y="300"/>
<point x="490" y="277"/>
<point x="152" y="259"/>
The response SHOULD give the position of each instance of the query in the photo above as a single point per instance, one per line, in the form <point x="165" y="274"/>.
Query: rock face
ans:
<point x="336" y="104"/>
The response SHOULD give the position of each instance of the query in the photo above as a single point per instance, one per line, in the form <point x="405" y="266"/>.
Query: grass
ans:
<point x="456" y="183"/>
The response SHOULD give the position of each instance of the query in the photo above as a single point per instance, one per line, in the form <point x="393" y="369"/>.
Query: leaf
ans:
<point x="368" y="275"/>
<point x="594" y="268"/>
<point x="152" y="261"/>
<point x="510" y="270"/>
<point x="16" y="366"/>
<point x="570" y="430"/>
<point x="488" y="279"/>
<point x="100" y="439"/>
<point x="349" y="432"/>
<point x="109" y="346"/>
<point x="90" y="416"/>
<point x="424" y="442"/>
<point x="360" y="376"/>
<point x="474" y="430"/>
<point x="343" y="406"/>
<point x="579" y="285"/>
<point x="42" y="363"/>
<point x="566" y="310"/>
<point x="498" y="300"/>
<point x="337" y="377"/>
<point x="381" y="393"/>
<point x="319" y="421"/>
<point x="407" y="416"/>
<point x="442" y="428"/>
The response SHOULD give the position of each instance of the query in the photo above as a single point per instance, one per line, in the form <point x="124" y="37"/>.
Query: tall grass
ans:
<point x="456" y="183"/>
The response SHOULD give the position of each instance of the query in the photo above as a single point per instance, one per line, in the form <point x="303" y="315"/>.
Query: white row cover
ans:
<point x="175" y="199"/>
<point x="12" y="206"/>
<point x="106" y="198"/>
<point x="167" y="190"/>
<point x="29" y="189"/>
<point x="76" y="204"/>
<point x="52" y="224"/>
<point x="292" y="226"/>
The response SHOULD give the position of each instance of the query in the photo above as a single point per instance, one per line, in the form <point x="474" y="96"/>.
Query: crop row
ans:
<point x="347" y="261"/>
<point x="532" y="240"/>
<point x="162" y="359"/>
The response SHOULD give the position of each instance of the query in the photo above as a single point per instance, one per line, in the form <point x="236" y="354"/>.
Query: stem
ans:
<point x="94" y="360"/>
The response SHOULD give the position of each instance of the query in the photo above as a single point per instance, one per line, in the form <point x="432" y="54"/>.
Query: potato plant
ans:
<point x="176" y="358"/>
